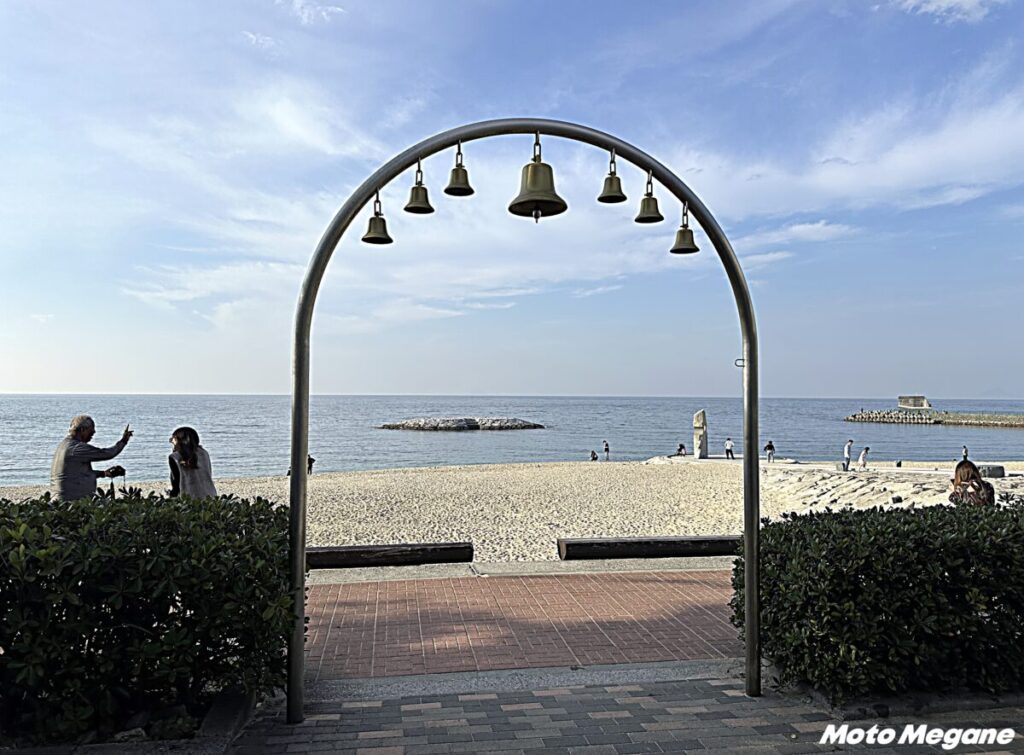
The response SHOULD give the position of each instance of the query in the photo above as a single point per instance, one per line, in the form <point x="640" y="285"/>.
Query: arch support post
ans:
<point x="301" y="365"/>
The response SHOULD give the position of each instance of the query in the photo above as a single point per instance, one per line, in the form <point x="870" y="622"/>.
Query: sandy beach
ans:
<point x="515" y="512"/>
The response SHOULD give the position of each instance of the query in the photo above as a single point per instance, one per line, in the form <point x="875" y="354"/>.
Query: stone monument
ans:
<point x="700" y="435"/>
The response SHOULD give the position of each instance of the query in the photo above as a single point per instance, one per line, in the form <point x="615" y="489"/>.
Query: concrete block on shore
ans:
<point x="992" y="470"/>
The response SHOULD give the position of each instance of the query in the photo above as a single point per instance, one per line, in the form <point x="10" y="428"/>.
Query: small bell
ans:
<point x="537" y="197"/>
<point x="612" y="192"/>
<point x="684" y="236"/>
<point x="649" y="205"/>
<point x="377" y="232"/>
<point x="458" y="184"/>
<point x="419" y="203"/>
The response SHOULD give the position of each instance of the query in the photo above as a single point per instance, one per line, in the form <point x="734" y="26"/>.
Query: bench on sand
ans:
<point x="405" y="554"/>
<point x="570" y="549"/>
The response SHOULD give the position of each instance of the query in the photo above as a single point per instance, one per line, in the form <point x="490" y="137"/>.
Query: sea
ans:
<point x="249" y="435"/>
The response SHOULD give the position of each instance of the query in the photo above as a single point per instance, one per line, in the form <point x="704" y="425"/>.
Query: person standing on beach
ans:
<point x="863" y="460"/>
<point x="770" y="450"/>
<point x="728" y="449"/>
<point x="607" y="452"/>
<point x="71" y="473"/>
<point x="847" y="451"/>
<point x="965" y="453"/>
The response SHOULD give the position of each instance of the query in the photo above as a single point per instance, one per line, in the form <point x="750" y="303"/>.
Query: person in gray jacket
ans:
<point x="71" y="473"/>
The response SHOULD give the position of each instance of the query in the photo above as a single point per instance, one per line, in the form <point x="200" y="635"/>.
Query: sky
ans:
<point x="169" y="167"/>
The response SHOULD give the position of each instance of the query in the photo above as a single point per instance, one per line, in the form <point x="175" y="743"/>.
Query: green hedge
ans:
<point x="886" y="601"/>
<point x="109" y="607"/>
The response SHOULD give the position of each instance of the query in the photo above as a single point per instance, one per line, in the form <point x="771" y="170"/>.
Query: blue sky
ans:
<point x="168" y="168"/>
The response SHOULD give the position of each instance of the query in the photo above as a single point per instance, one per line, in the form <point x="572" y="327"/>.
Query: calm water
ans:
<point x="249" y="435"/>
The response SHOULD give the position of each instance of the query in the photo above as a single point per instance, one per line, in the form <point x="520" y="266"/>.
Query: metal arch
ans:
<point x="301" y="360"/>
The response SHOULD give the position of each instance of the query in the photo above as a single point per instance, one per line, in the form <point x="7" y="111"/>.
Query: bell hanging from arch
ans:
<point x="649" y="212"/>
<point x="458" y="184"/>
<point x="612" y="192"/>
<point x="377" y="231"/>
<point x="537" y="197"/>
<point x="684" y="236"/>
<point x="419" y="202"/>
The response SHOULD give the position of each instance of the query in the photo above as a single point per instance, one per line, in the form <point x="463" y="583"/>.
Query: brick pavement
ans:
<point x="704" y="715"/>
<point x="389" y="628"/>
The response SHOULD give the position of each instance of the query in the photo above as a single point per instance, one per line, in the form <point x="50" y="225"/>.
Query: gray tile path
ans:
<point x="696" y="715"/>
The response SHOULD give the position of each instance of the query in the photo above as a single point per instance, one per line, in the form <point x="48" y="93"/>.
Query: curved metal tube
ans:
<point x="300" y="363"/>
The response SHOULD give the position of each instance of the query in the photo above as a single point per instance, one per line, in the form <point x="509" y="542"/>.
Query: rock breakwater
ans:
<point x="932" y="417"/>
<point x="458" y="424"/>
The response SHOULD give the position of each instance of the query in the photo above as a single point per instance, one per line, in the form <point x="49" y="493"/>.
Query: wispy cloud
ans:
<point x="760" y="261"/>
<point x="581" y="293"/>
<point x="821" y="230"/>
<point x="951" y="11"/>
<point x="309" y="12"/>
<point x="42" y="318"/>
<point x="261" y="41"/>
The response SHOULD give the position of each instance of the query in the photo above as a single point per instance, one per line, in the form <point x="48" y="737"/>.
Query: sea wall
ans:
<point x="932" y="417"/>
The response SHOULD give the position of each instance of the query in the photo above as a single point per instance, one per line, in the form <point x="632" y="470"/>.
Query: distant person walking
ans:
<point x="847" y="451"/>
<point x="770" y="450"/>
<point x="969" y="487"/>
<point x="965" y="453"/>
<point x="310" y="461"/>
<point x="71" y="473"/>
<point x="728" y="449"/>
<point x="863" y="459"/>
<point x="607" y="452"/>
<point x="191" y="473"/>
<point x="593" y="455"/>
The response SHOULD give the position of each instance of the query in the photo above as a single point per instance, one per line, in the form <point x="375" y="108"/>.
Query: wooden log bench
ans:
<point x="570" y="549"/>
<point x="405" y="554"/>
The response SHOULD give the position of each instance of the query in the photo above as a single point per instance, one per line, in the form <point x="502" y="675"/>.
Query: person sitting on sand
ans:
<point x="770" y="450"/>
<point x="593" y="455"/>
<point x="681" y="451"/>
<point x="191" y="473"/>
<point x="969" y="487"/>
<point x="863" y="458"/>
<point x="71" y="473"/>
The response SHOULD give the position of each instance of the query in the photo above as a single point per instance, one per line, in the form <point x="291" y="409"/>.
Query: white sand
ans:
<point x="515" y="512"/>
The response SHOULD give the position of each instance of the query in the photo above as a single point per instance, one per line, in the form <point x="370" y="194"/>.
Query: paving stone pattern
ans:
<point x="397" y="628"/>
<point x="705" y="716"/>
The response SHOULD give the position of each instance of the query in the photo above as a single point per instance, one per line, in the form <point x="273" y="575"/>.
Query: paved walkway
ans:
<point x="396" y="628"/>
<point x="701" y="715"/>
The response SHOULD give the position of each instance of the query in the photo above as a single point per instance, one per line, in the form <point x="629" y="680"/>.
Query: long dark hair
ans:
<point x="188" y="443"/>
<point x="966" y="472"/>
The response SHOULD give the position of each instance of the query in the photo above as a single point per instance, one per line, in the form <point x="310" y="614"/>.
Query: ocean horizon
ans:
<point x="249" y="434"/>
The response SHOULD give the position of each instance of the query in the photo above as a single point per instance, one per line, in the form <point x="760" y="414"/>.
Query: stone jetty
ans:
<point x="459" y="424"/>
<point x="932" y="417"/>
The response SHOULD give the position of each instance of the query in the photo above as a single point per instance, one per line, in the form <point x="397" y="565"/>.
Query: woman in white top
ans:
<point x="863" y="460"/>
<point x="191" y="473"/>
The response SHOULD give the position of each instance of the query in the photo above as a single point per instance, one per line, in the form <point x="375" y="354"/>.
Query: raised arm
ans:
<point x="89" y="452"/>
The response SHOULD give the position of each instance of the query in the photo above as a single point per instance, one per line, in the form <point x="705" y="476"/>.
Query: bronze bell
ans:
<point x="684" y="236"/>
<point x="684" y="242"/>
<point x="458" y="184"/>
<point x="419" y="203"/>
<point x="377" y="232"/>
<point x="612" y="192"/>
<point x="649" y="205"/>
<point x="537" y="197"/>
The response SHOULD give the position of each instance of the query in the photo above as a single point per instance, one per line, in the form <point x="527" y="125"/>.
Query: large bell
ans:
<point x="377" y="232"/>
<point x="684" y="242"/>
<point x="537" y="197"/>
<point x="458" y="184"/>
<point x="612" y="192"/>
<point x="649" y="211"/>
